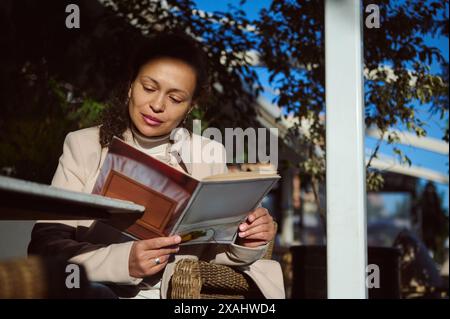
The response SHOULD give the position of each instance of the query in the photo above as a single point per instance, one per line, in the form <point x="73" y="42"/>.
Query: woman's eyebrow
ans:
<point x="146" y="77"/>
<point x="170" y="90"/>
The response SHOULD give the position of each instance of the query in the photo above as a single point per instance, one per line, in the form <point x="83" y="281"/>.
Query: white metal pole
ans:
<point x="287" y="228"/>
<point x="346" y="191"/>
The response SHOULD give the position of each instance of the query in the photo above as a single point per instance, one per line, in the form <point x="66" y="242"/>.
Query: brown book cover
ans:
<point x="130" y="174"/>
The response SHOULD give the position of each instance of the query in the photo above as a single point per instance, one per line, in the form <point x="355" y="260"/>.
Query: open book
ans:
<point x="201" y="211"/>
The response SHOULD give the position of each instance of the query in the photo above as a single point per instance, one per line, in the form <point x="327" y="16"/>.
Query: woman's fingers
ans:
<point x="259" y="217"/>
<point x="255" y="230"/>
<point x="160" y="242"/>
<point x="257" y="213"/>
<point x="144" y="252"/>
<point x="152" y="267"/>
<point x="155" y="247"/>
<point x="265" y="219"/>
<point x="258" y="228"/>
<point x="157" y="261"/>
<point x="148" y="254"/>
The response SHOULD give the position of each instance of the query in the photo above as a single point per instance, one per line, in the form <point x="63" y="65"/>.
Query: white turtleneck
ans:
<point x="155" y="146"/>
<point x="159" y="147"/>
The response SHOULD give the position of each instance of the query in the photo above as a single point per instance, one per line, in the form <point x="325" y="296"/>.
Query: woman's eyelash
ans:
<point x="175" y="100"/>
<point x="147" y="89"/>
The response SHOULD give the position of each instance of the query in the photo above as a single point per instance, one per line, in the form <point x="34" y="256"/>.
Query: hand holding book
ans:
<point x="150" y="256"/>
<point x="257" y="230"/>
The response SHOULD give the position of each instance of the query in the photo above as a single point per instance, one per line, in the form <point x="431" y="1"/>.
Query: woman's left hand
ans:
<point x="257" y="230"/>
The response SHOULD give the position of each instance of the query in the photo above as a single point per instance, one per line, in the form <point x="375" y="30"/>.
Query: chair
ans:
<point x="196" y="279"/>
<point x="23" y="278"/>
<point x="38" y="277"/>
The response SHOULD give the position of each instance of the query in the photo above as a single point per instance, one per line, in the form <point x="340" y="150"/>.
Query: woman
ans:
<point x="167" y="79"/>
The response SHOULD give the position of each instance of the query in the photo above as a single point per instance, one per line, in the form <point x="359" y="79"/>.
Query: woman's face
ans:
<point x="161" y="96"/>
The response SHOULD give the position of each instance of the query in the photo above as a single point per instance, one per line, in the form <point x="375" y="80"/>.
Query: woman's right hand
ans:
<point x="143" y="260"/>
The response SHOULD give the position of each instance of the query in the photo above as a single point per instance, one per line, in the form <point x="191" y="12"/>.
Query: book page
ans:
<point x="219" y="207"/>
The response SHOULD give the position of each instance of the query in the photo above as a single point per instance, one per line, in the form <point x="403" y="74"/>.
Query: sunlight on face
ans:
<point x="161" y="96"/>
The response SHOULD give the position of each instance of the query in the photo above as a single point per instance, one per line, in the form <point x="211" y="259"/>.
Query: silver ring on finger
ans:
<point x="157" y="261"/>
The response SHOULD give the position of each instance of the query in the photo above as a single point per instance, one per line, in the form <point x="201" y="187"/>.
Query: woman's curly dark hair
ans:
<point x="116" y="118"/>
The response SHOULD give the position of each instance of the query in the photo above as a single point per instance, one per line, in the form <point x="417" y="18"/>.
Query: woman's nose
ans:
<point x="157" y="103"/>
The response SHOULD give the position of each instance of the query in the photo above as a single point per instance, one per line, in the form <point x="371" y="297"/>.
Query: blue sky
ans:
<point x="434" y="124"/>
<point x="251" y="7"/>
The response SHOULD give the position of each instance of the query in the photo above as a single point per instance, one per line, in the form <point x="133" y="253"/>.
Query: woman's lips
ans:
<point x="150" y="120"/>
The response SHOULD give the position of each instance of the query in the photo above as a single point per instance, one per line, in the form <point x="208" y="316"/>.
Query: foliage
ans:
<point x="56" y="80"/>
<point x="397" y="68"/>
